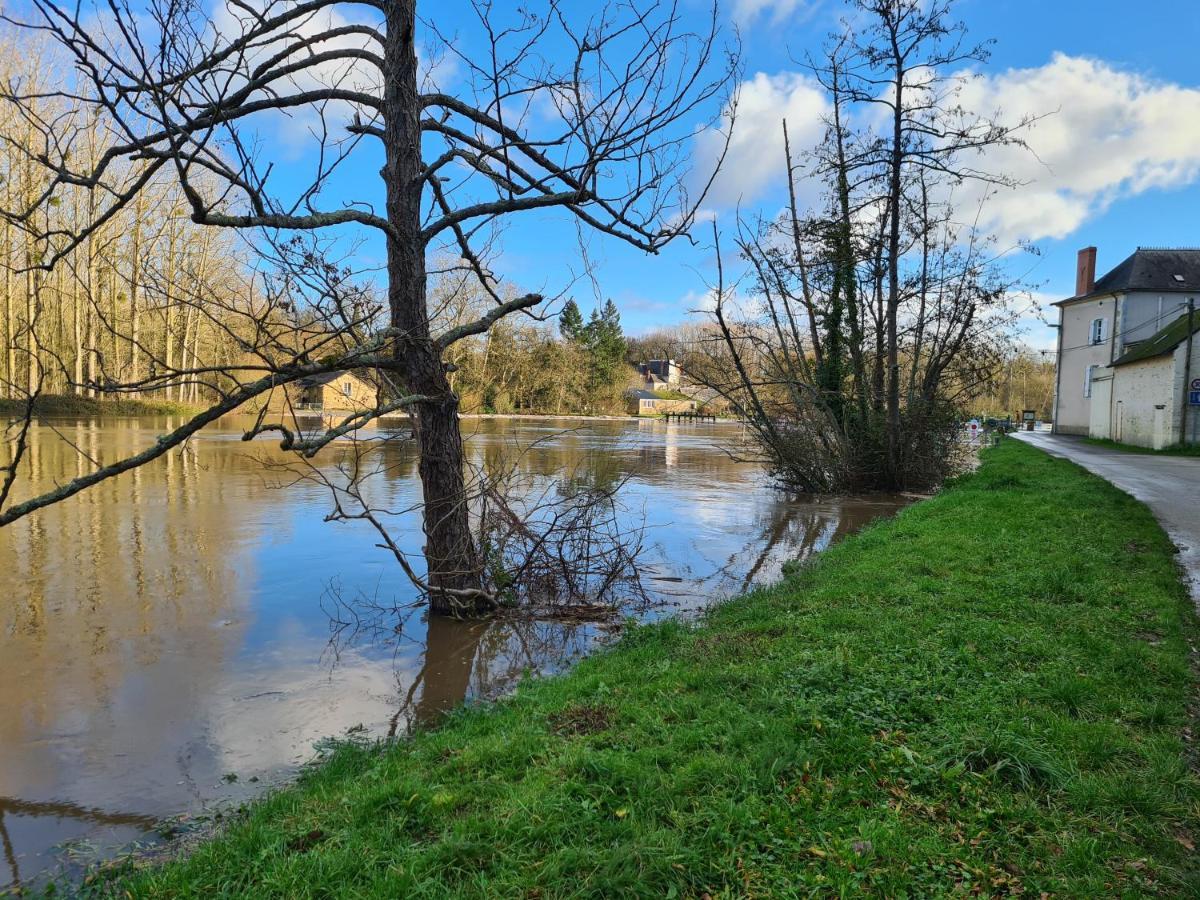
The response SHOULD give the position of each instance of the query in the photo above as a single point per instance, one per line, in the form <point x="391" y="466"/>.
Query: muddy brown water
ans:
<point x="165" y="638"/>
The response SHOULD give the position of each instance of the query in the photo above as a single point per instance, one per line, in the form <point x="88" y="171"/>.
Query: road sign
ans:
<point x="1195" y="385"/>
<point x="1194" y="398"/>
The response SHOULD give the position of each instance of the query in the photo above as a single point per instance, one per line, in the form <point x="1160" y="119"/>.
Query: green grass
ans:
<point x="984" y="695"/>
<point x="1174" y="450"/>
<point x="67" y="405"/>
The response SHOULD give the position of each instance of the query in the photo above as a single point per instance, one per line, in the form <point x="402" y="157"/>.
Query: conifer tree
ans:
<point x="570" y="322"/>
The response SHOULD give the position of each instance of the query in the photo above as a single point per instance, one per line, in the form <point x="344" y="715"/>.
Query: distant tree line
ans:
<point x="1024" y="380"/>
<point x="147" y="291"/>
<point x="525" y="365"/>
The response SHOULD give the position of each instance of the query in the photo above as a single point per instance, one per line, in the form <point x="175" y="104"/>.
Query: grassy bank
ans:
<point x="985" y="695"/>
<point x="66" y="405"/>
<point x="1176" y="450"/>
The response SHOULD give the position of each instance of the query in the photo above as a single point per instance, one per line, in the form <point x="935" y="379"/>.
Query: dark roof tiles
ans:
<point x="1154" y="270"/>
<point x="1166" y="340"/>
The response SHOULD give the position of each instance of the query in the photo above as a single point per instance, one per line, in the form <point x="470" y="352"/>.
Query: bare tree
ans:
<point x="859" y="327"/>
<point x="589" y="114"/>
<point x="906" y="60"/>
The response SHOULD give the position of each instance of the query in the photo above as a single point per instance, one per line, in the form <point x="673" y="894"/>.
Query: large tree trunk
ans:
<point x="450" y="551"/>
<point x="894" y="463"/>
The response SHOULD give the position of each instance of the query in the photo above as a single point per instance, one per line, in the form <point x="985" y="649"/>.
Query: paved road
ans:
<point x="1169" y="485"/>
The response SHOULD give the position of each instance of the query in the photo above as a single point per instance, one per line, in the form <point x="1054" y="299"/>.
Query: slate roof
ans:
<point x="1153" y="269"/>
<point x="1162" y="343"/>
<point x="638" y="394"/>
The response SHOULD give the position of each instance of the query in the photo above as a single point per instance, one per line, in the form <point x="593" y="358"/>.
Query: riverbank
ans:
<point x="64" y="405"/>
<point x="986" y="694"/>
<point x="536" y="417"/>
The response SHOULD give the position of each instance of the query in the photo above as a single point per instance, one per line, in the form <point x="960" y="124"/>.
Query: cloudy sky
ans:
<point x="1115" y="161"/>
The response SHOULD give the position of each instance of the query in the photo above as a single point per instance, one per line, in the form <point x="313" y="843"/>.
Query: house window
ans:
<point x="346" y="387"/>
<point x="1087" y="379"/>
<point x="1098" y="332"/>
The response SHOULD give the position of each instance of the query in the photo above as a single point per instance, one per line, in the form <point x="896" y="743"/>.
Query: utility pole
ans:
<point x="1187" y="372"/>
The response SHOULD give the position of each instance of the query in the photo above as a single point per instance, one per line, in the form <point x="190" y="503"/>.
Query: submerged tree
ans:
<point x="586" y="114"/>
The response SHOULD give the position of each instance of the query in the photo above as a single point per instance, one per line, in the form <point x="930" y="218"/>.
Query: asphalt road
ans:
<point x="1169" y="485"/>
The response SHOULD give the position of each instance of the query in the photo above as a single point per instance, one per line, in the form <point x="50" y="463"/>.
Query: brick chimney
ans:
<point x="1085" y="272"/>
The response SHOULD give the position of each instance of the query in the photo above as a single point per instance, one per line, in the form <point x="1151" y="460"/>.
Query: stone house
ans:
<point x="1122" y="349"/>
<point x="647" y="403"/>
<point x="333" y="392"/>
<point x="1143" y="397"/>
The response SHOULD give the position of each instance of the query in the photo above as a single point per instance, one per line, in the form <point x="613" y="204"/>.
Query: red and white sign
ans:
<point x="1195" y="384"/>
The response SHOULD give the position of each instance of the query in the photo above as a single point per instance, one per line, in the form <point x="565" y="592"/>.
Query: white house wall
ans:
<point x="1144" y="314"/>
<point x="1141" y="403"/>
<point x="1072" y="411"/>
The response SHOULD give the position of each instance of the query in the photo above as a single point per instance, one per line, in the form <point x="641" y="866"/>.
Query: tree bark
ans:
<point x="450" y="551"/>
<point x="894" y="463"/>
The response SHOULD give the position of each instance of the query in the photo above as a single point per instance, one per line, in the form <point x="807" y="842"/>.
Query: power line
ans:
<point x="1181" y="306"/>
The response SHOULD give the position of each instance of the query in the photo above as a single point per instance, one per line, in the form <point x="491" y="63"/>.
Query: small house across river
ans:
<point x="648" y="403"/>
<point x="333" y="392"/>
<point x="331" y="395"/>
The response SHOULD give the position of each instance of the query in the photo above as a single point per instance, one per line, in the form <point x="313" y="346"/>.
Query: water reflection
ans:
<point x="167" y="631"/>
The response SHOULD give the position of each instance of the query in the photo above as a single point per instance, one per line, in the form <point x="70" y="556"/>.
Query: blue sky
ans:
<point x="1117" y="166"/>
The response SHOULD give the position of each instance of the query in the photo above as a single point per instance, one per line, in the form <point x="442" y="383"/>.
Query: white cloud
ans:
<point x="776" y="11"/>
<point x="698" y="301"/>
<point x="1106" y="134"/>
<point x="298" y="129"/>
<point x="755" y="161"/>
<point x="1110" y="134"/>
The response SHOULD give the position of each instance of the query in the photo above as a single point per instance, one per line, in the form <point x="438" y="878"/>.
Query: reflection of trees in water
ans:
<point x="57" y="811"/>
<point x="467" y="659"/>
<point x="461" y="660"/>
<point x="119" y="590"/>
<point x="796" y="528"/>
<point x="458" y="659"/>
<point x="549" y="453"/>
<point x="112" y="581"/>
<point x="656" y="453"/>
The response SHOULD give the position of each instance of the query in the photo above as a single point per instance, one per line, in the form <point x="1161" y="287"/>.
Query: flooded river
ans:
<point x="169" y="640"/>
